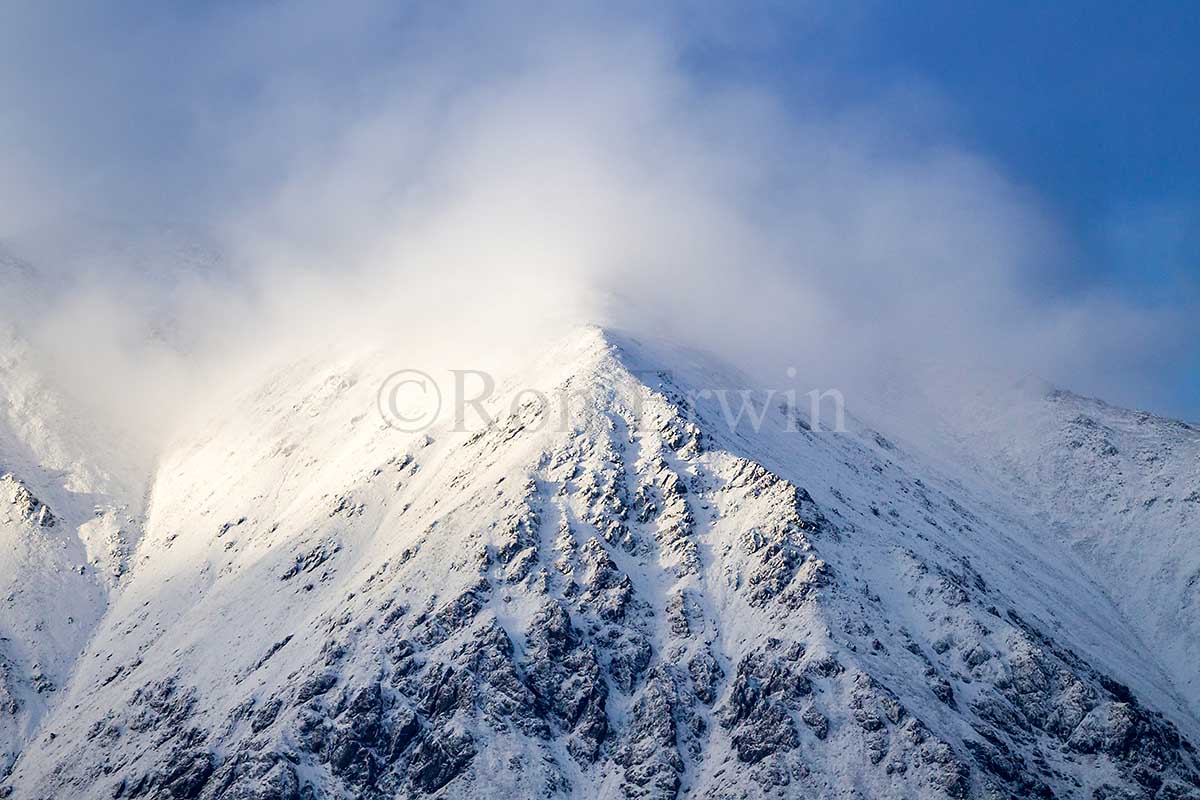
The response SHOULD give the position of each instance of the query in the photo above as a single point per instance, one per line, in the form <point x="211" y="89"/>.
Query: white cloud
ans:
<point x="410" y="176"/>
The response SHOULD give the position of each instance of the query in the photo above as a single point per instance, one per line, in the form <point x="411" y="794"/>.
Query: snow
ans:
<point x="294" y="533"/>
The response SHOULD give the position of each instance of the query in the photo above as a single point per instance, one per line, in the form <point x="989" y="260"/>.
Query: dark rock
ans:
<point x="440" y="757"/>
<point x="315" y="686"/>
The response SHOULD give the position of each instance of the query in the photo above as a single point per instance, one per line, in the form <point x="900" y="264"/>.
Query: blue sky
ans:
<point x="1049" y="147"/>
<point x="1094" y="106"/>
<point x="1097" y="106"/>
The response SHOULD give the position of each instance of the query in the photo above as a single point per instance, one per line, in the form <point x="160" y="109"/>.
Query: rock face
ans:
<point x="22" y="505"/>
<point x="633" y="601"/>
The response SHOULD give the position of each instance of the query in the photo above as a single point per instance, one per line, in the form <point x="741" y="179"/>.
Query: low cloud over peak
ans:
<point x="397" y="178"/>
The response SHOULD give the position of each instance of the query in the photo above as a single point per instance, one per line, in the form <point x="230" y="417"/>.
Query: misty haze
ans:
<point x="599" y="400"/>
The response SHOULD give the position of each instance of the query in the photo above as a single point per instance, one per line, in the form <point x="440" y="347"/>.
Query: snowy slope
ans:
<point x="67" y="524"/>
<point x="1122" y="489"/>
<point x="71" y="495"/>
<point x="637" y="601"/>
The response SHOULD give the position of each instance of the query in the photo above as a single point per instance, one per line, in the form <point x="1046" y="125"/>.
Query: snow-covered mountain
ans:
<point x="1122" y="489"/>
<point x="69" y="518"/>
<point x="632" y="599"/>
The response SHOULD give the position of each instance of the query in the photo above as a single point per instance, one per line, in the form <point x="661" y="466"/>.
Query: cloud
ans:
<point x="395" y="176"/>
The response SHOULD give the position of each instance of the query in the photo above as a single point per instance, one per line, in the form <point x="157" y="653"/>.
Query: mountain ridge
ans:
<point x="321" y="605"/>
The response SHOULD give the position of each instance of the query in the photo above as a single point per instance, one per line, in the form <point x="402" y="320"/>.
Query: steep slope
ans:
<point x="634" y="599"/>
<point x="1121" y="488"/>
<point x="72" y="480"/>
<point x="67" y="525"/>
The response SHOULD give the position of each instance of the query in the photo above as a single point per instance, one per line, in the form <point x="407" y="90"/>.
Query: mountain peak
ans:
<point x="637" y="603"/>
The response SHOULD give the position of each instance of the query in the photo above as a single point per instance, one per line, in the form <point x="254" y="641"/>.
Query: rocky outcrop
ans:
<point x="22" y="504"/>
